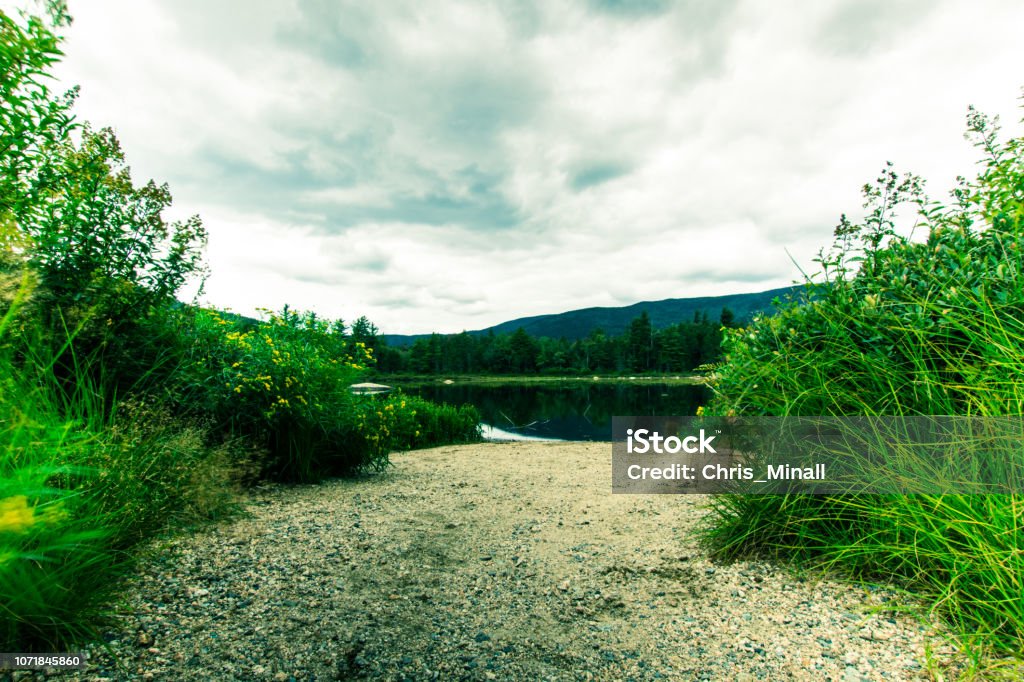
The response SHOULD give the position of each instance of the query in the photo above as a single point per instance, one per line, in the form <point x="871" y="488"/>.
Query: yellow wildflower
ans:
<point x="15" y="514"/>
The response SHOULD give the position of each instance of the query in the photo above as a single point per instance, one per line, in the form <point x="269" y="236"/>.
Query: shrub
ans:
<point x="284" y="384"/>
<point x="900" y="326"/>
<point x="401" y="422"/>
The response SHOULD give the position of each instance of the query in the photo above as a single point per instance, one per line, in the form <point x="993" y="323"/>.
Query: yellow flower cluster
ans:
<point x="360" y="358"/>
<point x="388" y="424"/>
<point x="16" y="516"/>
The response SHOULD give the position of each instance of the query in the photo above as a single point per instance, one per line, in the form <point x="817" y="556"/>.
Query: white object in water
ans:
<point x="494" y="433"/>
<point x="367" y="388"/>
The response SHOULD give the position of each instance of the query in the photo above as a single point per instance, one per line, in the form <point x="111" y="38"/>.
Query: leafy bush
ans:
<point x="900" y="326"/>
<point x="106" y="259"/>
<point x="284" y="383"/>
<point x="401" y="422"/>
<point x="33" y="119"/>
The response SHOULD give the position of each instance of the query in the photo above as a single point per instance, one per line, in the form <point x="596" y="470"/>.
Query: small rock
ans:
<point x="852" y="675"/>
<point x="874" y="635"/>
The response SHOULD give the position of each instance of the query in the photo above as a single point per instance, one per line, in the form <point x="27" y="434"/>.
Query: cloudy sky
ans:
<point x="450" y="165"/>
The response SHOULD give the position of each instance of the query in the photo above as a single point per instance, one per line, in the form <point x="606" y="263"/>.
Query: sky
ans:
<point x="440" y="166"/>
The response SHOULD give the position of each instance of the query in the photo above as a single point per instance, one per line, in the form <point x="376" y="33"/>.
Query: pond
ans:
<point x="571" y="410"/>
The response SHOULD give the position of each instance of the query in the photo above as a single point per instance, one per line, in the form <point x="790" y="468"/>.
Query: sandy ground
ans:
<point x="490" y="562"/>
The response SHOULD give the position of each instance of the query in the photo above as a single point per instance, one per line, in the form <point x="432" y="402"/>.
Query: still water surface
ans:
<point x="564" y="411"/>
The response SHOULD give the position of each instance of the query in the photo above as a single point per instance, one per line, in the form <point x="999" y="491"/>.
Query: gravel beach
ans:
<point x="508" y="561"/>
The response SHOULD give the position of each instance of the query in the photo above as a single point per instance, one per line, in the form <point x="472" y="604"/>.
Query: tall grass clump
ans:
<point x="55" y="560"/>
<point x="80" y="487"/>
<point x="925" y="321"/>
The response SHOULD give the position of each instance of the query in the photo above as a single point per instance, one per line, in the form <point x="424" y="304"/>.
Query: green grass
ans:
<point x="903" y="327"/>
<point x="81" y="485"/>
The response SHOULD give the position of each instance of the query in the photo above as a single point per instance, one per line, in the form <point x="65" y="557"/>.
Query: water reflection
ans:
<point x="571" y="411"/>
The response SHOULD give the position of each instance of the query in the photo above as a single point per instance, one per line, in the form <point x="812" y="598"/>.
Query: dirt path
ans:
<point x="489" y="562"/>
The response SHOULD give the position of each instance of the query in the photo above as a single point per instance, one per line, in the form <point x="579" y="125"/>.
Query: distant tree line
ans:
<point x="677" y="348"/>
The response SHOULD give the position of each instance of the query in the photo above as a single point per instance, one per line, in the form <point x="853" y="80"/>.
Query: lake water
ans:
<point x="577" y="410"/>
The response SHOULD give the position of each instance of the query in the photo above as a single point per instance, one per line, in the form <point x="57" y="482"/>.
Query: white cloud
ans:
<point x="450" y="165"/>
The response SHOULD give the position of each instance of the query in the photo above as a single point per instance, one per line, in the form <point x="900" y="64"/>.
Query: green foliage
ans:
<point x="89" y="268"/>
<point x="100" y="241"/>
<point x="284" y="384"/>
<point x="33" y="120"/>
<point x="79" y="488"/>
<point x="900" y="326"/>
<point x="105" y="258"/>
<point x="401" y="422"/>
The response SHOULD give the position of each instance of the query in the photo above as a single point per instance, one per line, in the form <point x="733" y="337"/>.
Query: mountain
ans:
<point x="576" y="324"/>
